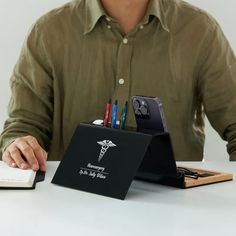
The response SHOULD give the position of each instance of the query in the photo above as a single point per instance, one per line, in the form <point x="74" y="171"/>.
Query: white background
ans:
<point x="17" y="16"/>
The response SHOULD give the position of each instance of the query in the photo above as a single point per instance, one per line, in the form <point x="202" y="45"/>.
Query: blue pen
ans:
<point x="114" y="115"/>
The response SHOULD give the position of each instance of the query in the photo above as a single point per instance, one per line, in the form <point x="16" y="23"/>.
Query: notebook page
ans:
<point x="15" y="177"/>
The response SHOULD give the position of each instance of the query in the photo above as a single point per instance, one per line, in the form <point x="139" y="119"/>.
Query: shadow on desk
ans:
<point x="218" y="196"/>
<point x="141" y="189"/>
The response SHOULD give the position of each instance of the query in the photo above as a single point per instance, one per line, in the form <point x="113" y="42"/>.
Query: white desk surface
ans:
<point x="149" y="209"/>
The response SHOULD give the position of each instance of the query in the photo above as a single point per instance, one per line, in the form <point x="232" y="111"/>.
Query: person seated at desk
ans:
<point x="78" y="56"/>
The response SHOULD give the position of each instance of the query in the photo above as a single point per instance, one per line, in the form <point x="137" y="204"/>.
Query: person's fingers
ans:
<point x="45" y="154"/>
<point x="15" y="154"/>
<point x="38" y="152"/>
<point x="43" y="166"/>
<point x="6" y="157"/>
<point x="28" y="153"/>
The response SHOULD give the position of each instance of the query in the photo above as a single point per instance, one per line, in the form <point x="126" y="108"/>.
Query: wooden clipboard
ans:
<point x="210" y="177"/>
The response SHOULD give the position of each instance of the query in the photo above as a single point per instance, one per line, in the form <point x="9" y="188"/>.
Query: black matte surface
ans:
<point x="120" y="163"/>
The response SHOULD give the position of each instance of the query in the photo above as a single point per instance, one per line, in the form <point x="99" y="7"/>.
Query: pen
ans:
<point x="107" y="114"/>
<point x="123" y="115"/>
<point x="114" y="115"/>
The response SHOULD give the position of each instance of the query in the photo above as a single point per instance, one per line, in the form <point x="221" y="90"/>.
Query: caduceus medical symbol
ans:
<point x="106" y="144"/>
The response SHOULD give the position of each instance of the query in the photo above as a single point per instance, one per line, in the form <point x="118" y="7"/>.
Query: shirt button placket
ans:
<point x="122" y="90"/>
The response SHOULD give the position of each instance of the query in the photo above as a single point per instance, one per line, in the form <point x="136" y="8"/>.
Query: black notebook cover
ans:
<point x="102" y="160"/>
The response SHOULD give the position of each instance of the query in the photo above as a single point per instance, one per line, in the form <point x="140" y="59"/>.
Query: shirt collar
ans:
<point x="156" y="9"/>
<point x="94" y="11"/>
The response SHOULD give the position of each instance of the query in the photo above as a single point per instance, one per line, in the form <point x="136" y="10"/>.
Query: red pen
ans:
<point x="107" y="114"/>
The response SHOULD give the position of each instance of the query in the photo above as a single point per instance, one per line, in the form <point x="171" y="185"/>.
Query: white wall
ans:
<point x="17" y="16"/>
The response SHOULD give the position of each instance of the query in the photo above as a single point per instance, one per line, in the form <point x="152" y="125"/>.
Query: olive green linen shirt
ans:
<point x="76" y="57"/>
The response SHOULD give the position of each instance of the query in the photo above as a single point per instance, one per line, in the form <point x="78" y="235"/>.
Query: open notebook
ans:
<point x="16" y="178"/>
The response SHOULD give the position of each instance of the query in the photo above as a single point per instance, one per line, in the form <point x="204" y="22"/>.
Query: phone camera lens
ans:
<point x="140" y="108"/>
<point x="144" y="110"/>
<point x="136" y="104"/>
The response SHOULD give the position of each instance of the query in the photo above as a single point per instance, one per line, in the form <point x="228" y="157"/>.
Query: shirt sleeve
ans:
<point x="30" y="108"/>
<point x="217" y="86"/>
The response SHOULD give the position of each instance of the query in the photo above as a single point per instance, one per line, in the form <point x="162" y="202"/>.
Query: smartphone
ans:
<point x="149" y="114"/>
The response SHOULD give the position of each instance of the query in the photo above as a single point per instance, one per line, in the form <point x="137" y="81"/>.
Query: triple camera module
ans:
<point x="141" y="108"/>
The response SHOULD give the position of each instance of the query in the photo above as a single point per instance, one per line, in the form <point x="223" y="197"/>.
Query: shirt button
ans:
<point x="108" y="26"/>
<point x="121" y="81"/>
<point x="108" y="19"/>
<point x="141" y="27"/>
<point x="125" y="40"/>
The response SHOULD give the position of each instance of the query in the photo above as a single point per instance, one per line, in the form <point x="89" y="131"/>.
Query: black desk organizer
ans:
<point x="105" y="161"/>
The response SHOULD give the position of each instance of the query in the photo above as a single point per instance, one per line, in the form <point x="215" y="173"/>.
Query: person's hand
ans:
<point x="25" y="152"/>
